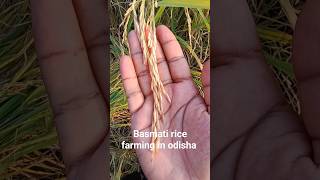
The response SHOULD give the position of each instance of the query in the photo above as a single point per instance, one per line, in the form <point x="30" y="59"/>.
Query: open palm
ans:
<point x="71" y="48"/>
<point x="187" y="112"/>
<point x="256" y="134"/>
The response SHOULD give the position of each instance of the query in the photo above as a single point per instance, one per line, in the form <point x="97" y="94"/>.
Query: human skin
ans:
<point x="71" y="48"/>
<point x="187" y="112"/>
<point x="256" y="135"/>
<point x="71" y="44"/>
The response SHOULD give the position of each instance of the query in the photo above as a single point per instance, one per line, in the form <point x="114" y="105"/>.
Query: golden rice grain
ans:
<point x="143" y="12"/>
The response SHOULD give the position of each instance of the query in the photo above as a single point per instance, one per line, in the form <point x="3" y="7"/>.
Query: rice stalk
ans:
<point x="186" y="10"/>
<point x="144" y="24"/>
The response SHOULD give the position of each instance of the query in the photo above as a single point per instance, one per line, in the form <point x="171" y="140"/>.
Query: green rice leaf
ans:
<point x="202" y="4"/>
<point x="282" y="66"/>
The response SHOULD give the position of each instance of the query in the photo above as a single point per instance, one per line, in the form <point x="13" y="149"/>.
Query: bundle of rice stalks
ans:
<point x="144" y="24"/>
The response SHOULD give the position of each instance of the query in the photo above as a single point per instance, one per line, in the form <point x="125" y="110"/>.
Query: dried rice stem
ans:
<point x="186" y="11"/>
<point x="146" y="31"/>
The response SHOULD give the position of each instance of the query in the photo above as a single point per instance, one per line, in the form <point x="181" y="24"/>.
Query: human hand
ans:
<point x="187" y="112"/>
<point x="256" y="135"/>
<point x="71" y="43"/>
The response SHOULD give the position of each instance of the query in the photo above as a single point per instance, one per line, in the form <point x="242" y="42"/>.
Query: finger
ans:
<point x="205" y="77"/>
<point x="131" y="84"/>
<point x="141" y="68"/>
<point x="163" y="67"/>
<point x="93" y="22"/>
<point x="240" y="75"/>
<point x="73" y="93"/>
<point x="306" y="57"/>
<point x="176" y="60"/>
<point x="235" y="27"/>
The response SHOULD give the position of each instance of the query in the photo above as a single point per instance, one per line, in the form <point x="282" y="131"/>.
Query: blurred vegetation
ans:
<point x="28" y="141"/>
<point x="276" y="21"/>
